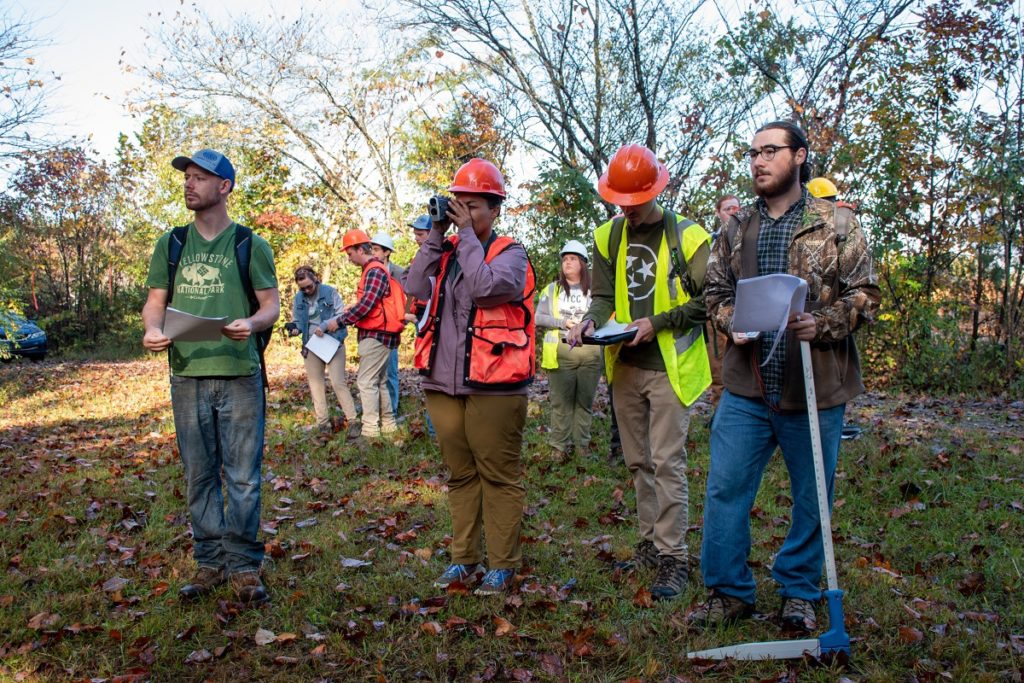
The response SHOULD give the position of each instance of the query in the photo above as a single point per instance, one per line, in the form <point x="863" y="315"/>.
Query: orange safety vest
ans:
<point x="500" y="342"/>
<point x="389" y="313"/>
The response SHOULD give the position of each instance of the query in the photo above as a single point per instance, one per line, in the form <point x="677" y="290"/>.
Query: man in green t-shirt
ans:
<point x="216" y="386"/>
<point x="648" y="269"/>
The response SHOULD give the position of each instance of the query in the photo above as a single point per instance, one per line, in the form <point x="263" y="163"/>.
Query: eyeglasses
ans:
<point x="308" y="289"/>
<point x="767" y="152"/>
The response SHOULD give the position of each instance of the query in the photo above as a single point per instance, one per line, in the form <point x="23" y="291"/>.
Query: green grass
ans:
<point x="928" y="528"/>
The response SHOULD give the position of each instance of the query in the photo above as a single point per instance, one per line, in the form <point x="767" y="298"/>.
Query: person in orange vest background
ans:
<point x="379" y="315"/>
<point x="475" y="384"/>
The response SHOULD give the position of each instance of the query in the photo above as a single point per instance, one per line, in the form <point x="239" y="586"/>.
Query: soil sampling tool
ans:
<point x="834" y="642"/>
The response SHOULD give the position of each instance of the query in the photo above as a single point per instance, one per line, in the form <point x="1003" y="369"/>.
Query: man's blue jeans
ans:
<point x="744" y="436"/>
<point x="219" y="424"/>
<point x="393" y="380"/>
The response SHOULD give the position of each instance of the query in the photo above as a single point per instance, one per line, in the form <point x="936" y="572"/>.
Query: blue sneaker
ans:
<point x="496" y="581"/>
<point x="463" y="573"/>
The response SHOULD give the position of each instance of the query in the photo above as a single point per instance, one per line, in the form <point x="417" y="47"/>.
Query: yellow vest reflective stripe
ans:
<point x="684" y="352"/>
<point x="549" y="349"/>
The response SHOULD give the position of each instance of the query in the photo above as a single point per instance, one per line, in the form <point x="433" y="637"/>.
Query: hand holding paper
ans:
<point x="181" y="326"/>
<point x="768" y="303"/>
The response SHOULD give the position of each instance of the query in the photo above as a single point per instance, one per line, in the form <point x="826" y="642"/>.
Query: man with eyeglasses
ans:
<point x="763" y="405"/>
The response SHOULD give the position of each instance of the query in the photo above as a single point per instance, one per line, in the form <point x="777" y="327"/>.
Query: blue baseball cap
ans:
<point x="422" y="223"/>
<point x="208" y="160"/>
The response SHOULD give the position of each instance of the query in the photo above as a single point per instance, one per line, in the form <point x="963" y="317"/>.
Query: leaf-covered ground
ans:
<point x="94" y="544"/>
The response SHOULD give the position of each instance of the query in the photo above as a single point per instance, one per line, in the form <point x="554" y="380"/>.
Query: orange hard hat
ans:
<point x="478" y="176"/>
<point x="354" y="238"/>
<point x="634" y="176"/>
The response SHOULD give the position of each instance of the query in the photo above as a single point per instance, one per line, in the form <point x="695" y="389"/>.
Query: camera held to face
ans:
<point x="437" y="208"/>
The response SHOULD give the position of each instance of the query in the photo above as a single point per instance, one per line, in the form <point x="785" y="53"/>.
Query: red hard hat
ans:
<point x="634" y="176"/>
<point x="479" y="176"/>
<point x="353" y="238"/>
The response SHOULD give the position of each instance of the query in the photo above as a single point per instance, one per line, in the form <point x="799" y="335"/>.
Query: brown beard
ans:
<point x="780" y="184"/>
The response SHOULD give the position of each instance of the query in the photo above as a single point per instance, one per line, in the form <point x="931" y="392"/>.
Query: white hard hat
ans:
<point x="382" y="239"/>
<point x="575" y="247"/>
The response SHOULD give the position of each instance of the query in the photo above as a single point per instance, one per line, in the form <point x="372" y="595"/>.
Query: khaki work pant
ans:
<point x="653" y="425"/>
<point x="372" y="380"/>
<point x="481" y="439"/>
<point x="339" y="382"/>
<point x="571" y="389"/>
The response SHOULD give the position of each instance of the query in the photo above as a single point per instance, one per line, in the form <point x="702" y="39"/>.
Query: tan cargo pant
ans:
<point x="481" y="439"/>
<point x="339" y="382"/>
<point x="653" y="425"/>
<point x="372" y="379"/>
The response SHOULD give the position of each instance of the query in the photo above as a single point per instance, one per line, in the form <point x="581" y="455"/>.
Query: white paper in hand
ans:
<point x="763" y="304"/>
<point x="324" y="347"/>
<point x="180" y="326"/>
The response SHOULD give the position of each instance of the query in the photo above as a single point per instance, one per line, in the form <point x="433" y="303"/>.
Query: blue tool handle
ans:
<point x="835" y="640"/>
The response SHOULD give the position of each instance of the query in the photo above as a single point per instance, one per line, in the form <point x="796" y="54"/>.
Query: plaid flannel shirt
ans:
<point x="374" y="290"/>
<point x="773" y="257"/>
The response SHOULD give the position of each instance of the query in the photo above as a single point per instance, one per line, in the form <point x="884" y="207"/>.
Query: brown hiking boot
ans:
<point x="719" y="609"/>
<point x="203" y="582"/>
<point x="248" y="588"/>
<point x="673" y="574"/>
<point x="797" y="614"/>
<point x="644" y="557"/>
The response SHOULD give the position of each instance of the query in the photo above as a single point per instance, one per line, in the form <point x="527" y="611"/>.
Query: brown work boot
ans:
<point x="645" y="556"/>
<point x="248" y="588"/>
<point x="203" y="582"/>
<point x="798" y="615"/>
<point x="719" y="609"/>
<point x="673" y="574"/>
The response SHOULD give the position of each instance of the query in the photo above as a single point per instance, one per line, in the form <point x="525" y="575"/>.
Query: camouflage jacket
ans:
<point x="826" y="264"/>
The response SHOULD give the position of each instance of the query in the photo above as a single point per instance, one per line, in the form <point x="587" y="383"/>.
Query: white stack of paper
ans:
<point x="324" y="347"/>
<point x="764" y="304"/>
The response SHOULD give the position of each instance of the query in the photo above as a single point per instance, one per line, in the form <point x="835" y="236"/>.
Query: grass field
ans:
<point x="94" y="544"/>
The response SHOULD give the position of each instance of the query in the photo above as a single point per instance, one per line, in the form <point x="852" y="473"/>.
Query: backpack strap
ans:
<point x="841" y="216"/>
<point x="175" y="247"/>
<point x="750" y="230"/>
<point x="614" y="238"/>
<point x="841" y="219"/>
<point x="243" y="258"/>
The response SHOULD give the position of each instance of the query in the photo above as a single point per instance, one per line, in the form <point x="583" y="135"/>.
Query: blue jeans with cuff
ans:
<point x="220" y="423"/>
<point x="744" y="436"/>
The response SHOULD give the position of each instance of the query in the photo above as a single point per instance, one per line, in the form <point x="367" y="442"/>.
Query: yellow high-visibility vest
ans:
<point x="684" y="352"/>
<point x="549" y="348"/>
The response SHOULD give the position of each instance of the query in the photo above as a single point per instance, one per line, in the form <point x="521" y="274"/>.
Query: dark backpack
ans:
<point x="243" y="256"/>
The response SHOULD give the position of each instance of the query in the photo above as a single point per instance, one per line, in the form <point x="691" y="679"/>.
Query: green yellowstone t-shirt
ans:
<point x="207" y="283"/>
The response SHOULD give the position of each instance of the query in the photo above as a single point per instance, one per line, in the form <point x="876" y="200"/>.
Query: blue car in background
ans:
<point x="22" y="337"/>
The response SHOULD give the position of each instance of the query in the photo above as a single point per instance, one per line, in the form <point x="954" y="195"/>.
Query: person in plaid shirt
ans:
<point x="763" y="407"/>
<point x="375" y="342"/>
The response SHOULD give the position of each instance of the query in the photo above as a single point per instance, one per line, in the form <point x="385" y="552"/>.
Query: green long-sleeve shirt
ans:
<point x="641" y="264"/>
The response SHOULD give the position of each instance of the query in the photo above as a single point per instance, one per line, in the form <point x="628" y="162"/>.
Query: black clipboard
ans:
<point x="609" y="339"/>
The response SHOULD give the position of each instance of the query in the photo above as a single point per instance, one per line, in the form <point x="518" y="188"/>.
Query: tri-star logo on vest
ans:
<point x="641" y="276"/>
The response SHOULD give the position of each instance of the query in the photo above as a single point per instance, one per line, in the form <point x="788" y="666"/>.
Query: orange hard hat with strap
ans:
<point x="634" y="176"/>
<point x="479" y="176"/>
